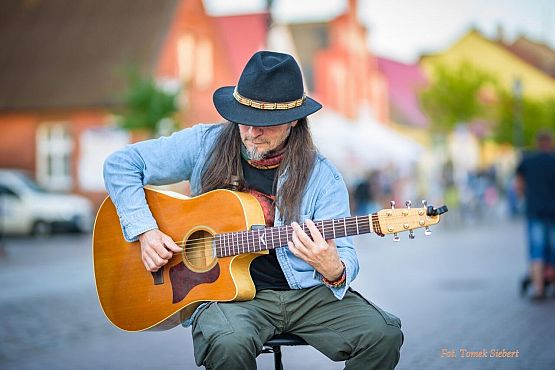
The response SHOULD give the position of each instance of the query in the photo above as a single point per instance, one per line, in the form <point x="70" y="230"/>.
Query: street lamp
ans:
<point x="517" y="113"/>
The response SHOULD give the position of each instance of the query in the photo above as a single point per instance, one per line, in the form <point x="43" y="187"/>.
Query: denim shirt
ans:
<point x="182" y="156"/>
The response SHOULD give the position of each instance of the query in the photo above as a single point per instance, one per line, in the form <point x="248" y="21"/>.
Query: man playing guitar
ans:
<point x="265" y="147"/>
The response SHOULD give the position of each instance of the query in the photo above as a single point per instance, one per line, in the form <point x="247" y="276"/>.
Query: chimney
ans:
<point x="500" y="36"/>
<point x="353" y="8"/>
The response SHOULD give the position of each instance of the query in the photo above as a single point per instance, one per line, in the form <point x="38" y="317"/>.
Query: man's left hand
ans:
<point x="317" y="252"/>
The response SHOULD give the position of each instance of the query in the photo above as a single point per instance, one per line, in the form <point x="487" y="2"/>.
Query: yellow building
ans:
<point x="503" y="62"/>
<point x="495" y="58"/>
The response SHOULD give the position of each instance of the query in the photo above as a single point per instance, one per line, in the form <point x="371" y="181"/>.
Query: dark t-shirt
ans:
<point x="538" y="172"/>
<point x="265" y="270"/>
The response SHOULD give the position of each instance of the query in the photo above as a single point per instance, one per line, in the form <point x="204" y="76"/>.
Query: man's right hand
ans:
<point x="156" y="249"/>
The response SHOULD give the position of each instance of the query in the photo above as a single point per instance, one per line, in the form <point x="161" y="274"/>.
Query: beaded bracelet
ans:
<point x="339" y="282"/>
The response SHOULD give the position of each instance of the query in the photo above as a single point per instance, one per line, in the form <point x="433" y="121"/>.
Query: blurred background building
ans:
<point x="450" y="125"/>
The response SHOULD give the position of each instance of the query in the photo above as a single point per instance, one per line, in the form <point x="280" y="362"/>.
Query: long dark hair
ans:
<point x="224" y="165"/>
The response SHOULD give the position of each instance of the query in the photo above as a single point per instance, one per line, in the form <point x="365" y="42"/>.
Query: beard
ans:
<point x="254" y="154"/>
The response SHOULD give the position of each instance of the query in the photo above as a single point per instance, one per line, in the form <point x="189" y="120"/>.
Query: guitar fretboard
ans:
<point x="264" y="238"/>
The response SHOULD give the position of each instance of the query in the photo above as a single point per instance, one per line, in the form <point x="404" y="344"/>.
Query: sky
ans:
<point x="405" y="29"/>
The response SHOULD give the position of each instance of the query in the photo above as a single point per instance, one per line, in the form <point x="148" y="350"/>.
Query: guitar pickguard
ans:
<point x="183" y="279"/>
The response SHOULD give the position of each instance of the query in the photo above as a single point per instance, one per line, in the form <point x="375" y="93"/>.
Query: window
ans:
<point x="95" y="145"/>
<point x="205" y="66"/>
<point x="195" y="60"/>
<point x="6" y="191"/>
<point x="185" y="57"/>
<point x="54" y="148"/>
<point x="338" y="93"/>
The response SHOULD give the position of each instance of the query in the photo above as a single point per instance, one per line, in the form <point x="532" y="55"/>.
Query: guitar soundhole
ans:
<point x="199" y="255"/>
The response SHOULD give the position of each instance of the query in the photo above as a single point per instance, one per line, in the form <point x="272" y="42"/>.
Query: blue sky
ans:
<point x="404" y="29"/>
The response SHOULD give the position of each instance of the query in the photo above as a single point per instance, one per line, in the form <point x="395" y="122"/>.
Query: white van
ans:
<point x="26" y="208"/>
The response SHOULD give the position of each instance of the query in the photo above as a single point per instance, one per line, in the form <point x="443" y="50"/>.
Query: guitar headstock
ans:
<point x="395" y="220"/>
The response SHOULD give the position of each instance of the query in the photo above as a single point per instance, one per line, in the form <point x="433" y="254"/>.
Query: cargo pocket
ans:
<point x="210" y="323"/>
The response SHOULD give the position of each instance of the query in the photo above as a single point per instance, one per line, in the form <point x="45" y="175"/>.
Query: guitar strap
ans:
<point x="267" y="202"/>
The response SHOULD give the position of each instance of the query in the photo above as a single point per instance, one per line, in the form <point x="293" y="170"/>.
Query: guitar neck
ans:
<point x="265" y="238"/>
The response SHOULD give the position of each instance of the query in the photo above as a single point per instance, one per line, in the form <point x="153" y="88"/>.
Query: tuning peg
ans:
<point x="427" y="231"/>
<point x="392" y="204"/>
<point x="431" y="211"/>
<point x="411" y="234"/>
<point x="396" y="237"/>
<point x="408" y="203"/>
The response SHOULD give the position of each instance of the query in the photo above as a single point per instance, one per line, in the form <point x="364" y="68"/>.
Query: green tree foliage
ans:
<point x="146" y="105"/>
<point x="452" y="96"/>
<point x="519" y="120"/>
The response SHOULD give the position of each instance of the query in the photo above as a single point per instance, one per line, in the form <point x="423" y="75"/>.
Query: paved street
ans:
<point x="454" y="291"/>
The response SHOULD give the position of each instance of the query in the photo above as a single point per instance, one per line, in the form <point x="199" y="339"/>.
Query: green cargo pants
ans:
<point x="230" y="335"/>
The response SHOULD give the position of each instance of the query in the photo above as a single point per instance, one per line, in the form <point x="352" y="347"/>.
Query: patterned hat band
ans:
<point x="265" y="105"/>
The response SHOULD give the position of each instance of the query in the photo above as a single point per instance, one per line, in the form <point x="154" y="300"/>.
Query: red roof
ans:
<point x="67" y="54"/>
<point x="535" y="53"/>
<point x="404" y="82"/>
<point x="242" y="36"/>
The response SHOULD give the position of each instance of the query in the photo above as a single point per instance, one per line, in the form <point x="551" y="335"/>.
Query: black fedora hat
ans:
<point x="269" y="92"/>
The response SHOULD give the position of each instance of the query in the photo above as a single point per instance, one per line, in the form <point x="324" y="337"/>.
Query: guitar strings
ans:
<point x="208" y="254"/>
<point x="193" y="243"/>
<point x="327" y="228"/>
<point x="199" y="243"/>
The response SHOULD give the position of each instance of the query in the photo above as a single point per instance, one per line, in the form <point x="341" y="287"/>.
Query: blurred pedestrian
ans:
<point x="535" y="180"/>
<point x="364" y="195"/>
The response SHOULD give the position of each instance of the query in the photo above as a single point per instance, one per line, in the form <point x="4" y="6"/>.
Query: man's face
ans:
<point x="260" y="141"/>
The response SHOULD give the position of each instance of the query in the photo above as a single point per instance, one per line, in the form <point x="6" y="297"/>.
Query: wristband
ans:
<point x="338" y="282"/>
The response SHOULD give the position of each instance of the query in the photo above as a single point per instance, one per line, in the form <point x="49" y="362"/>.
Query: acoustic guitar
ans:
<point x="221" y="232"/>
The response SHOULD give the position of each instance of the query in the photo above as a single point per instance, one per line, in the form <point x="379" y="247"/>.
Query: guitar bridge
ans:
<point x="158" y="276"/>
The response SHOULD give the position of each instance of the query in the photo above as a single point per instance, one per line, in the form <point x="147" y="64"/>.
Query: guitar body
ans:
<point x="134" y="299"/>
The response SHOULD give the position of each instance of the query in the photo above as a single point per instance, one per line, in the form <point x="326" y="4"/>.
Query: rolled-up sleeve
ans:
<point x="160" y="161"/>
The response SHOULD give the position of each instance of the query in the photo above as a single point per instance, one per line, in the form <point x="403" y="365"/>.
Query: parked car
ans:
<point x="26" y="208"/>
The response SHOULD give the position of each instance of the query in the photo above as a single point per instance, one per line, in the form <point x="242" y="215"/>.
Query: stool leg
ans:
<point x="278" y="365"/>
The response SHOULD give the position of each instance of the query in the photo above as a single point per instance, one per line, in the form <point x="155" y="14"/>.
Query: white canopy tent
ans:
<point x="361" y="145"/>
